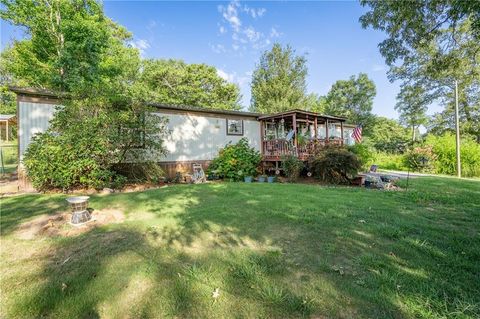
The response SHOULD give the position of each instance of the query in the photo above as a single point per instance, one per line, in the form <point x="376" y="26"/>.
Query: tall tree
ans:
<point x="353" y="99"/>
<point x="432" y="44"/>
<point x="388" y="135"/>
<point x="72" y="47"/>
<point x="412" y="107"/>
<point x="279" y="81"/>
<point x="175" y="82"/>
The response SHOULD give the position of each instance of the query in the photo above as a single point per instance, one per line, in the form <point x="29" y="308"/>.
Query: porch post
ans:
<point x="6" y="131"/>
<point x="326" y="131"/>
<point x="315" y="128"/>
<point x="341" y="131"/>
<point x="262" y="132"/>
<point x="294" y="122"/>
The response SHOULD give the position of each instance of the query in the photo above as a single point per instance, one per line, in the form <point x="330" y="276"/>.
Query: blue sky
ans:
<point x="232" y="35"/>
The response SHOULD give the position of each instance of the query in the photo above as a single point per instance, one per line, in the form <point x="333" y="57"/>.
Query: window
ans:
<point x="234" y="127"/>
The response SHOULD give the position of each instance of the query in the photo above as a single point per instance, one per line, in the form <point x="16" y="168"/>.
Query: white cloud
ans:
<point x="233" y="16"/>
<point x="218" y="48"/>
<point x="230" y="14"/>
<point x="240" y="80"/>
<point x="140" y="44"/>
<point x="252" y="34"/>
<point x="254" y="13"/>
<point x="274" y="33"/>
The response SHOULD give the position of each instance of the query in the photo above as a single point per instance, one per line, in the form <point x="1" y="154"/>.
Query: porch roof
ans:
<point x="301" y="114"/>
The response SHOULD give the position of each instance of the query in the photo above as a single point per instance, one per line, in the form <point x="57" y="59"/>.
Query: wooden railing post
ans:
<point x="341" y="131"/>
<point x="326" y="131"/>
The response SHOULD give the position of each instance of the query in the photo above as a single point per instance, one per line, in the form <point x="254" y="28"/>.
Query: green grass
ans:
<point x="273" y="250"/>
<point x="9" y="152"/>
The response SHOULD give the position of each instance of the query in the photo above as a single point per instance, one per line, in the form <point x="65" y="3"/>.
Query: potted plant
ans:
<point x="262" y="178"/>
<point x="271" y="179"/>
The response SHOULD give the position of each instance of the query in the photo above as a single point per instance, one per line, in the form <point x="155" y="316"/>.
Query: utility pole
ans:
<point x="457" y="129"/>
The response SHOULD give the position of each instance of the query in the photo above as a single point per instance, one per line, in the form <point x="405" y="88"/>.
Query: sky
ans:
<point x="232" y="35"/>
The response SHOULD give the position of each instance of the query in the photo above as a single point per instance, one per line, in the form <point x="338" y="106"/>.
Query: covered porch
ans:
<point x="298" y="133"/>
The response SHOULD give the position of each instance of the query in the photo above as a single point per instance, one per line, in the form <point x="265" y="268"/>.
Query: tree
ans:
<point x="412" y="107"/>
<point x="315" y="103"/>
<point x="279" y="81"/>
<point x="73" y="48"/>
<point x="387" y="135"/>
<point x="432" y="44"/>
<point x="353" y="99"/>
<point x="177" y="83"/>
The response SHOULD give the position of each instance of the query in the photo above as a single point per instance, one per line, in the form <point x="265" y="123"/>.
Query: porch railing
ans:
<point x="276" y="148"/>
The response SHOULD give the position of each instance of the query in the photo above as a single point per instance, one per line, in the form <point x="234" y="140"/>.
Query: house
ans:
<point x="196" y="134"/>
<point x="7" y="122"/>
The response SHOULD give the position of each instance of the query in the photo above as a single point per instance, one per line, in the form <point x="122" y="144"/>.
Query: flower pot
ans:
<point x="248" y="179"/>
<point x="261" y="179"/>
<point x="271" y="179"/>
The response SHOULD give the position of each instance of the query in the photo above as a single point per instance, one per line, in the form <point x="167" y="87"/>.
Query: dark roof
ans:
<point x="6" y="117"/>
<point x="35" y="92"/>
<point x="303" y="112"/>
<point x="204" y="110"/>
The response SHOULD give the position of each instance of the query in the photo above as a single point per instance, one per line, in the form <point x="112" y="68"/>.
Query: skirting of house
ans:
<point x="183" y="167"/>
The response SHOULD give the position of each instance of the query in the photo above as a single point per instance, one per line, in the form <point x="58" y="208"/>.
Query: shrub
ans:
<point x="292" y="167"/>
<point x="364" y="153"/>
<point x="390" y="161"/>
<point x="55" y="161"/>
<point x="444" y="148"/>
<point x="420" y="159"/>
<point x="335" y="165"/>
<point x="236" y="161"/>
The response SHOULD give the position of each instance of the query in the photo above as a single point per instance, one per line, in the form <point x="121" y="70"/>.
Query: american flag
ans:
<point x="357" y="134"/>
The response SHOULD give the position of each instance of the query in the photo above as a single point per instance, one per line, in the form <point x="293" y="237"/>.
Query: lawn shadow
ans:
<point x="322" y="252"/>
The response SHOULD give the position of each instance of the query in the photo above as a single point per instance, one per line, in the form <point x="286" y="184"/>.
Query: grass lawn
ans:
<point x="273" y="250"/>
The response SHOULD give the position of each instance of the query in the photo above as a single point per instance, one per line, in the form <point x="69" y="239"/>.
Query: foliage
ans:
<point x="70" y="43"/>
<point x="353" y="99"/>
<point x="412" y="107"/>
<point x="390" y="161"/>
<point x="56" y="161"/>
<point x="444" y="148"/>
<point x="387" y="135"/>
<point x="279" y="81"/>
<point x="236" y="161"/>
<point x="365" y="154"/>
<point x="73" y="48"/>
<point x="315" y="103"/>
<point x="292" y="167"/>
<point x="420" y="159"/>
<point x="335" y="165"/>
<point x="178" y="83"/>
<point x="430" y="45"/>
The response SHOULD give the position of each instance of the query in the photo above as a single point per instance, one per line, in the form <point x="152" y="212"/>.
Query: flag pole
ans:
<point x="457" y="130"/>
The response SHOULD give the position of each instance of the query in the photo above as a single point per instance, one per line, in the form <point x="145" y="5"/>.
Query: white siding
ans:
<point x="33" y="118"/>
<point x="200" y="136"/>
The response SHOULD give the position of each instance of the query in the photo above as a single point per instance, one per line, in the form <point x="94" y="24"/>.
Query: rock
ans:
<point x="107" y="191"/>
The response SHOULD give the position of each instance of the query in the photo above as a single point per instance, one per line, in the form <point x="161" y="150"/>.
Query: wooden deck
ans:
<point x="274" y="150"/>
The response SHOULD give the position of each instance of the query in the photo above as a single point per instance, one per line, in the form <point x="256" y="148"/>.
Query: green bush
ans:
<point x="390" y="161"/>
<point x="444" y="148"/>
<point x="236" y="161"/>
<point x="420" y="159"/>
<point x="57" y="161"/>
<point x="292" y="167"/>
<point x="364" y="153"/>
<point x="335" y="165"/>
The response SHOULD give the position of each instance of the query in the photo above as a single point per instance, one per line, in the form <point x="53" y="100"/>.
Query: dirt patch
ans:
<point x="58" y="224"/>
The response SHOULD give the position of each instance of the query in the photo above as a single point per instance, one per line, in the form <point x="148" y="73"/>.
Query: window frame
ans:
<point x="242" y="133"/>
